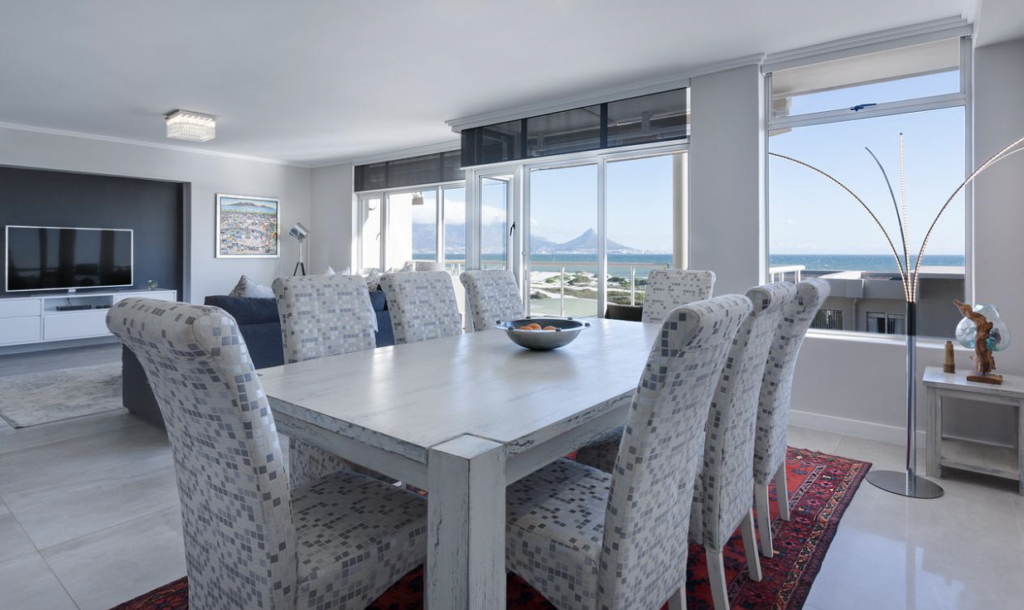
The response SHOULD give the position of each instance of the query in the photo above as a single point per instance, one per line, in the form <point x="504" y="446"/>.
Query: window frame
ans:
<point x="962" y="99"/>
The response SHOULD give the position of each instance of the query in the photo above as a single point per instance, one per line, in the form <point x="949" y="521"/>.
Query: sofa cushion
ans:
<point x="378" y="300"/>
<point x="247" y="310"/>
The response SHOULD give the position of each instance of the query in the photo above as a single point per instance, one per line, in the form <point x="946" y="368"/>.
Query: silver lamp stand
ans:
<point x="907" y="483"/>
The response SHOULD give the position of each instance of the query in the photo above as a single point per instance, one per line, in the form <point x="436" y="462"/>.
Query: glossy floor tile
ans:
<point x="113" y="565"/>
<point x="89" y="517"/>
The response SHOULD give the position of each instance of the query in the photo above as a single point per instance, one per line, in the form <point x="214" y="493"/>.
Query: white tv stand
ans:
<point x="36" y="319"/>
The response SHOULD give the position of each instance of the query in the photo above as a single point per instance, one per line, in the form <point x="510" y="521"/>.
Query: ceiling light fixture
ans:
<point x="191" y="126"/>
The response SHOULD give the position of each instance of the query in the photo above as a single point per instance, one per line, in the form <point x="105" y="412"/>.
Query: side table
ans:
<point x="969" y="455"/>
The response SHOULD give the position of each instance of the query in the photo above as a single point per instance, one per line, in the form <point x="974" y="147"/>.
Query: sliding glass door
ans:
<point x="563" y="259"/>
<point x="582" y="232"/>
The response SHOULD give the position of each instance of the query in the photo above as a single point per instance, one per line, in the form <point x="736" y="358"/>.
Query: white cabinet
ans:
<point x="19" y="308"/>
<point x="25" y="320"/>
<point x="75" y="325"/>
<point x="15" y="331"/>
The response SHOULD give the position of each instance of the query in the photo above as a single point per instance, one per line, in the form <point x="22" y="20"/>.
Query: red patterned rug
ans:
<point x="821" y="486"/>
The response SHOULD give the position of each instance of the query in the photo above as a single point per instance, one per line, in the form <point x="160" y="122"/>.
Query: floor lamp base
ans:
<point x="904" y="484"/>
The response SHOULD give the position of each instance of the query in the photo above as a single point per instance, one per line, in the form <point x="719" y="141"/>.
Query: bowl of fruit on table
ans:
<point x="542" y="333"/>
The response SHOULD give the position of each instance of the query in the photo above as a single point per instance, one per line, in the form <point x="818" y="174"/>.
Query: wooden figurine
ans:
<point x="984" y="361"/>
<point x="949" y="366"/>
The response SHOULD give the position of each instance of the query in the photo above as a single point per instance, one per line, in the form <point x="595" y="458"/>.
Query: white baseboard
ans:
<point x="852" y="427"/>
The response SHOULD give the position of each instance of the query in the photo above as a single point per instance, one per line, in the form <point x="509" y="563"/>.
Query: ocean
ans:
<point x="619" y="264"/>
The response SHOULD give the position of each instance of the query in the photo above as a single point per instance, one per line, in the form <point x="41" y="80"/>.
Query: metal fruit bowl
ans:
<point x="565" y="331"/>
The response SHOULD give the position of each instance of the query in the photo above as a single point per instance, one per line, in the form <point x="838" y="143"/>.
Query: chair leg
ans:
<point x="782" y="492"/>
<point x="764" y="519"/>
<point x="750" y="546"/>
<point x="678" y="599"/>
<point x="716" y="575"/>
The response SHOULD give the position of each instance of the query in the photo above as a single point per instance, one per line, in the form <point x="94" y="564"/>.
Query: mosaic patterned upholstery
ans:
<point x="590" y="540"/>
<point x="422" y="305"/>
<point x="321" y="315"/>
<point x="493" y="295"/>
<point x="671" y="288"/>
<point x="601" y="452"/>
<point x="725" y="482"/>
<point x="324" y="316"/>
<point x="249" y="542"/>
<point x="776" y="388"/>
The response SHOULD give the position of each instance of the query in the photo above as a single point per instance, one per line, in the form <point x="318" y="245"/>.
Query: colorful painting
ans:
<point x="247" y="227"/>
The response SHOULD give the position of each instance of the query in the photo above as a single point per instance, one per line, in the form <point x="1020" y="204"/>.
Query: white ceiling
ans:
<point x="317" y="81"/>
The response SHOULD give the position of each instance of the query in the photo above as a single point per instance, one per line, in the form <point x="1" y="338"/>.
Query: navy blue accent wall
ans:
<point x="154" y="209"/>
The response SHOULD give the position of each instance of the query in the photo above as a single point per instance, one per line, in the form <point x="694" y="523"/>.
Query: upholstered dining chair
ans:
<point x="725" y="481"/>
<point x="493" y="295"/>
<point x="773" y="405"/>
<point x="671" y="288"/>
<point x="321" y="315"/>
<point x="597" y="541"/>
<point x="250" y="542"/>
<point x="422" y="305"/>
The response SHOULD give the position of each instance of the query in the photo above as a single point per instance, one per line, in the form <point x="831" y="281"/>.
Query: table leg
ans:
<point x="466" y="525"/>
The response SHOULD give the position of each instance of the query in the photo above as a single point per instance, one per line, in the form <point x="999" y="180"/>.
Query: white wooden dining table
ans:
<point x="463" y="417"/>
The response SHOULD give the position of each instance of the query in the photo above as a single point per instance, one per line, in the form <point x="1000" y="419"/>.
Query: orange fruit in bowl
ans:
<point x="550" y="328"/>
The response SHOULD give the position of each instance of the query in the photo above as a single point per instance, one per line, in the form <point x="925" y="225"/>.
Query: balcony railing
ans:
<point x="778" y="274"/>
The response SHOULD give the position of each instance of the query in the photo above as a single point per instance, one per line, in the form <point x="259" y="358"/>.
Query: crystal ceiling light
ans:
<point x="191" y="126"/>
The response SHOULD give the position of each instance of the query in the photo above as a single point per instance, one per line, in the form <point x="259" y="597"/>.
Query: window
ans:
<point x="370" y="232"/>
<point x="886" y="323"/>
<point x="412" y="227"/>
<point x="641" y="194"/>
<point x="908" y="73"/>
<point x="422" y="220"/>
<point x="455" y="229"/>
<point x="828" y="319"/>
<point x="819" y="230"/>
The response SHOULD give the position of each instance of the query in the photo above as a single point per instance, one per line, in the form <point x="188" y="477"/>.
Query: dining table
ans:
<point x="462" y="417"/>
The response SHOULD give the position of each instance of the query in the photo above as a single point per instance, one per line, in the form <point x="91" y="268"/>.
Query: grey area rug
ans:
<point x="41" y="398"/>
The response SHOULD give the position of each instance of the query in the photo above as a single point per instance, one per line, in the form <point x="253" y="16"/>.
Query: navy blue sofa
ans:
<point x="260" y="326"/>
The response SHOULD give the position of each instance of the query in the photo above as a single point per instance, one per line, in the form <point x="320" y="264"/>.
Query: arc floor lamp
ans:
<point x="907" y="483"/>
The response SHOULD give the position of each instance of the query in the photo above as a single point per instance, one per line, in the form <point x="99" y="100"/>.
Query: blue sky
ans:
<point x="809" y="214"/>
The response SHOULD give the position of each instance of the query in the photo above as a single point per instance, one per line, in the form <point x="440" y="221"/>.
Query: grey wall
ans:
<point x="208" y="174"/>
<point x="153" y="210"/>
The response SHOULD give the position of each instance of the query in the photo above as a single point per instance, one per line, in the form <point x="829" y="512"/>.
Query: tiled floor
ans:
<point x="89" y="517"/>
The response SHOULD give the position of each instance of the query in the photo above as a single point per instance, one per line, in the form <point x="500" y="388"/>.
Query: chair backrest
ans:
<point x="493" y="295"/>
<point x="240" y="546"/>
<point x="726" y="482"/>
<point x="324" y="316"/>
<point x="668" y="289"/>
<point x="777" y="385"/>
<point x="422" y="305"/>
<point x="646" y="526"/>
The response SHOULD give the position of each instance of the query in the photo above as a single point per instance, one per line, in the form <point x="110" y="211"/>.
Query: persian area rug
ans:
<point x="821" y="487"/>
<point x="42" y="398"/>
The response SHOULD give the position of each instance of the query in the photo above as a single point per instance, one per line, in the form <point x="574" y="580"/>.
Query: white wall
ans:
<point x="727" y="177"/>
<point x="209" y="174"/>
<point x="332" y="217"/>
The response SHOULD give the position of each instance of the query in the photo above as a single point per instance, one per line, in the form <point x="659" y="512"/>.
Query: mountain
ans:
<point x="423" y="237"/>
<point x="584" y="244"/>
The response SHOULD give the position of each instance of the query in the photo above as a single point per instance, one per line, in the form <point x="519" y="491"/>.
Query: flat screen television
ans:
<point x="62" y="258"/>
